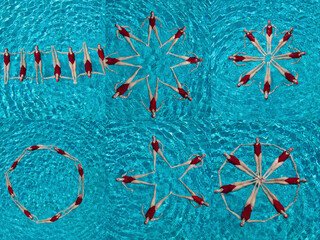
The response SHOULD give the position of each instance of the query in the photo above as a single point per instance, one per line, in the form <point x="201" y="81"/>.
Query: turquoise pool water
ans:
<point x="111" y="136"/>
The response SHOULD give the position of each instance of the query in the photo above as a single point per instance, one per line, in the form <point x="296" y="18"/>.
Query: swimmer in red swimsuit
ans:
<point x="127" y="36"/>
<point x="278" y="162"/>
<point x="248" y="207"/>
<point x="101" y="56"/>
<point x="283" y="40"/>
<point x="253" y="40"/>
<point x="257" y="150"/>
<point x="72" y="63"/>
<point x="126" y="86"/>
<point x="289" y="55"/>
<point x="6" y="64"/>
<point x="152" y="26"/>
<point x="37" y="61"/>
<point x="175" y="38"/>
<point x="267" y="83"/>
<point x="192" y="163"/>
<point x="188" y="60"/>
<point x="126" y="179"/>
<point x="153" y="100"/>
<point x="274" y="201"/>
<point x="155" y="150"/>
<point x="56" y="66"/>
<point x="284" y="72"/>
<point x="194" y="198"/>
<point x="243" y="80"/>
<point x="118" y="61"/>
<point x="149" y="216"/>
<point x="240" y="165"/>
<point x="234" y="186"/>
<point x="183" y="93"/>
<point x="269" y="35"/>
<point x="235" y="58"/>
<point x="286" y="180"/>
<point x="23" y="65"/>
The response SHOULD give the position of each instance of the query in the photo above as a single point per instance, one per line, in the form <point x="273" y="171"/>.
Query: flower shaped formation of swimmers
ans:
<point x="107" y="61"/>
<point x="243" y="80"/>
<point x="259" y="181"/>
<point x="191" y="163"/>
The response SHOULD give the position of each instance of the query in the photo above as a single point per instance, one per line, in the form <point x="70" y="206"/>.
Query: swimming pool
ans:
<point x="111" y="136"/>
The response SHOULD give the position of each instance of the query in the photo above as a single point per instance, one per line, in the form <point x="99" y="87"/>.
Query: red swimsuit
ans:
<point x="57" y="70"/>
<point x="286" y="36"/>
<point x="71" y="57"/>
<point x="101" y="53"/>
<point x="123" y="88"/>
<point x="153" y="105"/>
<point x="239" y="58"/>
<point x="183" y="93"/>
<point x="289" y="77"/>
<point x="192" y="60"/>
<point x="269" y="30"/>
<point x="246" y="213"/>
<point x="155" y="146"/>
<point x="197" y="200"/>
<point x="112" y="61"/>
<point x="6" y="59"/>
<point x="278" y="206"/>
<point x="292" y="180"/>
<point x="88" y="67"/>
<point x="265" y="89"/>
<point x="227" y="188"/>
<point x="124" y="32"/>
<point x="234" y="160"/>
<point x="152" y="21"/>
<point x="178" y="34"/>
<point x="245" y="79"/>
<point x="295" y="55"/>
<point x="284" y="156"/>
<point x="128" y="179"/>
<point x="37" y="56"/>
<point x="151" y="212"/>
<point x="251" y="37"/>
<point x="257" y="147"/>
<point x="196" y="160"/>
<point x="23" y="71"/>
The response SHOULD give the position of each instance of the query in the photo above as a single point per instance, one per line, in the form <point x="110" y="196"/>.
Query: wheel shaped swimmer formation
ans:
<point x="194" y="161"/>
<point x="259" y="180"/>
<point x="236" y="58"/>
<point x="62" y="213"/>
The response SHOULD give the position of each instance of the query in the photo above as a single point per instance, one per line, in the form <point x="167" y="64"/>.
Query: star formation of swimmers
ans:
<point x="191" y="163"/>
<point x="243" y="80"/>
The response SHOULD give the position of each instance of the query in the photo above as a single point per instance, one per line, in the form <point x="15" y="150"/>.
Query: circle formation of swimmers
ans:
<point x="259" y="180"/>
<point x="194" y="161"/>
<point x="125" y="89"/>
<point x="268" y="32"/>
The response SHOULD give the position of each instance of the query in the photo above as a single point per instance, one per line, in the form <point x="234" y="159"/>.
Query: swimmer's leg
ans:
<point x="102" y="65"/>
<point x="142" y="175"/>
<point x="153" y="201"/>
<point x="142" y="182"/>
<point x="175" y="77"/>
<point x="126" y="64"/>
<point x="173" y="43"/>
<point x="137" y="39"/>
<point x="149" y="90"/>
<point x="161" y="155"/>
<point x="181" y="64"/>
<point x="185" y="172"/>
<point x="190" y="191"/>
<point x="182" y="164"/>
<point x="154" y="153"/>
<point x="135" y="82"/>
<point x="157" y="35"/>
<point x="149" y="35"/>
<point x="133" y="76"/>
<point x="162" y="200"/>
<point x="126" y="58"/>
<point x="172" y="87"/>
<point x="170" y="39"/>
<point x="179" y="56"/>
<point x="129" y="41"/>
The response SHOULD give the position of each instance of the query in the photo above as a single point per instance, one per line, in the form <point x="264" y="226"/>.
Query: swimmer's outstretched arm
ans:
<point x="242" y="75"/>
<point x="143" y="212"/>
<point x="79" y="51"/>
<point x="127" y="27"/>
<point x="238" y="64"/>
<point x="264" y="29"/>
<point x="145" y="106"/>
<point x="155" y="219"/>
<point x="14" y="53"/>
<point x="30" y="52"/>
<point x="159" y="21"/>
<point x="115" y="86"/>
<point x="238" y="53"/>
<point x="199" y="165"/>
<point x="194" y="205"/>
<point x="281" y="33"/>
<point x="184" y="37"/>
<point x="186" y="88"/>
<point x="192" y="156"/>
<point x="126" y="96"/>
<point x="149" y="147"/>
<point x="275" y="29"/>
<point x="127" y="173"/>
<point x="295" y="49"/>
<point x="45" y="51"/>
<point x="192" y="54"/>
<point x="255" y="31"/>
<point x="195" y="67"/>
<point x="173" y="29"/>
<point x="160" y="106"/>
<point x="126" y="187"/>
<point x="111" y="69"/>
<point x="118" y="36"/>
<point x="111" y="54"/>
<point x="144" y="21"/>
<point x="260" y="88"/>
<point x="181" y="99"/>
<point x="62" y="52"/>
<point x="296" y="61"/>
<point x="244" y="39"/>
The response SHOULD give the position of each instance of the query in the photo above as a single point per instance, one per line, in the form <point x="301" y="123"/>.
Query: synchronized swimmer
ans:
<point x="152" y="26"/>
<point x="188" y="60"/>
<point x="118" y="61"/>
<point x="175" y="37"/>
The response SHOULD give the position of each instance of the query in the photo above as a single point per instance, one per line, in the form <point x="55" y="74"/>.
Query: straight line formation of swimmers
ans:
<point x="243" y="80"/>
<point x="192" y="162"/>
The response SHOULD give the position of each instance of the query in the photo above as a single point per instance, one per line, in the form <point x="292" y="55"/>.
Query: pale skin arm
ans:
<point x="184" y="37"/>
<point x="181" y="99"/>
<point x="45" y="52"/>
<point x="275" y="30"/>
<point x="296" y="61"/>
<point x="186" y="88"/>
<point x="115" y="86"/>
<point x="195" y="67"/>
<point x="160" y="106"/>
<point x="144" y="21"/>
<point x="281" y="33"/>
<point x="118" y="36"/>
<point x="149" y="147"/>
<point x="127" y="27"/>
<point x="126" y="187"/>
<point x="145" y="106"/>
<point x="29" y="52"/>
<point x="192" y="54"/>
<point x="127" y="173"/>
<point x="161" y="145"/>
<point x="192" y="156"/>
<point x="111" y="69"/>
<point x="126" y="96"/>
<point x="194" y="205"/>
<point x="62" y="52"/>
<point x="155" y="219"/>
<point x="143" y="212"/>
<point x="96" y="49"/>
<point x="173" y="29"/>
<point x="199" y="166"/>
<point x="244" y="40"/>
<point x="159" y="21"/>
<point x="112" y="54"/>
<point x="238" y="64"/>
<point x="260" y="88"/>
<point x="79" y="50"/>
<point x="254" y="31"/>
